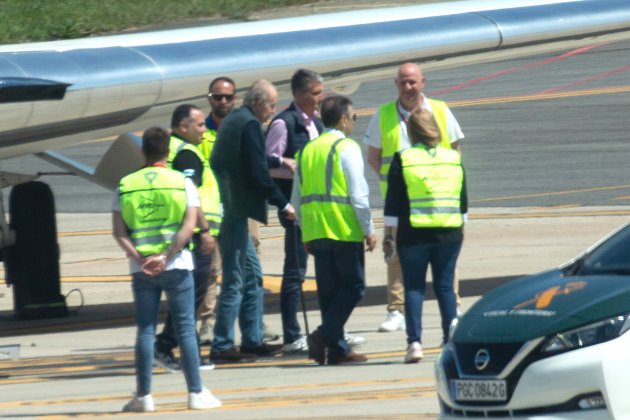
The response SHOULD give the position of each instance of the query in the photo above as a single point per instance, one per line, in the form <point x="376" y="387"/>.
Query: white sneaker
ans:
<point x="139" y="404"/>
<point x="202" y="400"/>
<point x="298" y="346"/>
<point x="393" y="322"/>
<point x="353" y="341"/>
<point x="414" y="353"/>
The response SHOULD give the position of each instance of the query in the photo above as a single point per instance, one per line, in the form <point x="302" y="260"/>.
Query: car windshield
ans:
<point x="611" y="257"/>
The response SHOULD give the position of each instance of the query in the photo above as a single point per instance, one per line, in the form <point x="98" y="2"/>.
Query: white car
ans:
<point x="545" y="347"/>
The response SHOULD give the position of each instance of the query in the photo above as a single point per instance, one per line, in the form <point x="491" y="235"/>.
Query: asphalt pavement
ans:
<point x="546" y="157"/>
<point x="81" y="366"/>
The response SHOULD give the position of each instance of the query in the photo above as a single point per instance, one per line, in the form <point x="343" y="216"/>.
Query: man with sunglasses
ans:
<point x="386" y="135"/>
<point x="222" y="99"/>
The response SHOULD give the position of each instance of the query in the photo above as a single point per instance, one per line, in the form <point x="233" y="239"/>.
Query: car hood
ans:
<point x="543" y="304"/>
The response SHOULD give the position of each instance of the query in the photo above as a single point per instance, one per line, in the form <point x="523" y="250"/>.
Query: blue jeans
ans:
<point x="340" y="276"/>
<point x="147" y="290"/>
<point x="294" y="270"/>
<point x="414" y="260"/>
<point x="241" y="288"/>
<point x="166" y="341"/>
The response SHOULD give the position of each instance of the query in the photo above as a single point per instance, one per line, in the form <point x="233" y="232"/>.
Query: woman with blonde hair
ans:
<point x="427" y="202"/>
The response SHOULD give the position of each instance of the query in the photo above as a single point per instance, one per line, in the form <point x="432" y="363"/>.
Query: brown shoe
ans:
<point x="316" y="347"/>
<point x="348" y="359"/>
<point x="231" y="356"/>
<point x="265" y="349"/>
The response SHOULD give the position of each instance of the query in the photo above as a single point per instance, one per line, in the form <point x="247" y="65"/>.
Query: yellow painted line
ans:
<point x="554" y="193"/>
<point x="543" y="214"/>
<point x="85" y="233"/>
<point x="271" y="282"/>
<point x="520" y="98"/>
<point x="409" y="385"/>
<point x="540" y="96"/>
<point x="559" y="206"/>
<point x="623" y="197"/>
<point x="29" y="371"/>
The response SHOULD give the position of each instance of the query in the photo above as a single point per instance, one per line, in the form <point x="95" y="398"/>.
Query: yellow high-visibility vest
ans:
<point x="209" y="196"/>
<point x="207" y="143"/>
<point x="152" y="204"/>
<point x="325" y="203"/>
<point x="433" y="177"/>
<point x="390" y="134"/>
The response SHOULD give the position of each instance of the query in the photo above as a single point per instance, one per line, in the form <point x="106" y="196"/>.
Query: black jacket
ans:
<point x="240" y="166"/>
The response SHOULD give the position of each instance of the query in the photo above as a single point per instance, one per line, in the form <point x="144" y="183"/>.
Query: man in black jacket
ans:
<point x="241" y="168"/>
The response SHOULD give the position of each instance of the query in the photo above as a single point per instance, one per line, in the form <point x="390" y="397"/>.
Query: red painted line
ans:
<point x="565" y="55"/>
<point x="585" y="80"/>
<point x="515" y="69"/>
<point x="474" y="81"/>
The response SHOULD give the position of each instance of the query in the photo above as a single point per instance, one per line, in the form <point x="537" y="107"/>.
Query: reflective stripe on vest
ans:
<point x="325" y="205"/>
<point x="152" y="204"/>
<point x="389" y="123"/>
<point x="434" y="182"/>
<point x="209" y="197"/>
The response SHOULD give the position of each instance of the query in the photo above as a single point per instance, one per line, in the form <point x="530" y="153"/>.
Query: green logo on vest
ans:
<point x="148" y="207"/>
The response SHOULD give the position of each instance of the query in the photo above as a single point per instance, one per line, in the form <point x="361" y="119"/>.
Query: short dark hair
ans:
<point x="302" y="78"/>
<point x="155" y="141"/>
<point x="221" y="79"/>
<point x="333" y="108"/>
<point x="181" y="113"/>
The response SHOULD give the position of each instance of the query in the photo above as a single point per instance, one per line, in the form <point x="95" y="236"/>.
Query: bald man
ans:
<point x="387" y="134"/>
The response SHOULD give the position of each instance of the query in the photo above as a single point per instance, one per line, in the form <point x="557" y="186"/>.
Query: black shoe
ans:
<point x="317" y="347"/>
<point x="348" y="359"/>
<point x="166" y="360"/>
<point x="265" y="349"/>
<point x="231" y="356"/>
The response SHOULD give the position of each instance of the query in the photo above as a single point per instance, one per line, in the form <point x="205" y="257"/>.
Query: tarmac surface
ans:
<point x="559" y="197"/>
<point x="81" y="366"/>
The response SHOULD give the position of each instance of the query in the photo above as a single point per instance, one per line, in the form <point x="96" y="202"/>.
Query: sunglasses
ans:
<point x="219" y="98"/>
<point x="353" y="117"/>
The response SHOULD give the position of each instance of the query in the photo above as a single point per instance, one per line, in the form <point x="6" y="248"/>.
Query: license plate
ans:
<point x="479" y="390"/>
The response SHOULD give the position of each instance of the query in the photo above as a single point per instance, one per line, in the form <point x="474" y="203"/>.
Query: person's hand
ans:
<point x="289" y="164"/>
<point x="206" y="243"/>
<point x="289" y="212"/>
<point x="308" y="247"/>
<point x="389" y="247"/>
<point x="154" y="264"/>
<point x="370" y="242"/>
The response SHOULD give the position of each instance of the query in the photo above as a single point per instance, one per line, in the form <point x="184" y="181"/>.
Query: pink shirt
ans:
<point x="276" y="142"/>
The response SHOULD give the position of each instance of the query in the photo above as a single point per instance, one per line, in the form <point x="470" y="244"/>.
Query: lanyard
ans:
<point x="156" y="164"/>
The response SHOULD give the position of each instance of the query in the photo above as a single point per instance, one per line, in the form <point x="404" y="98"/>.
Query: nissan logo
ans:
<point x="482" y="359"/>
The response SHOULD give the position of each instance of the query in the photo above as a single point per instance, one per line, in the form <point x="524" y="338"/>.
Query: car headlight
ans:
<point x="587" y="335"/>
<point x="451" y="333"/>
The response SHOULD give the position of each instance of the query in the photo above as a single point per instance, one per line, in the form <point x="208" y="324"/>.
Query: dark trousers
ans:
<point x="340" y="276"/>
<point x="294" y="270"/>
<point x="167" y="339"/>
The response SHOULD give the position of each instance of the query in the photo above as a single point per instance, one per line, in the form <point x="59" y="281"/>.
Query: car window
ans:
<point x="611" y="257"/>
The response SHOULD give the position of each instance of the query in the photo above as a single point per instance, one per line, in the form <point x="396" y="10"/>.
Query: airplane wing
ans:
<point x="104" y="86"/>
<point x="55" y="94"/>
